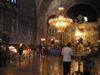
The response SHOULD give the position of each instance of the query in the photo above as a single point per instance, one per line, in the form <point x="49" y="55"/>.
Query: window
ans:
<point x="13" y="1"/>
<point x="86" y="19"/>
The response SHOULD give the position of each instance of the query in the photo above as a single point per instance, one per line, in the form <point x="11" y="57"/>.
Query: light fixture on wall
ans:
<point x="42" y="39"/>
<point x="61" y="21"/>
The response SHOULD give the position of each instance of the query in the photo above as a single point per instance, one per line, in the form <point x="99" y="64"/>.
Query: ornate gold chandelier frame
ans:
<point x="61" y="21"/>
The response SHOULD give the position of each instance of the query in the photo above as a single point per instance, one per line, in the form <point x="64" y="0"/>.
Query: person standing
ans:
<point x="40" y="47"/>
<point x="67" y="52"/>
<point x="1" y="49"/>
<point x="20" y="51"/>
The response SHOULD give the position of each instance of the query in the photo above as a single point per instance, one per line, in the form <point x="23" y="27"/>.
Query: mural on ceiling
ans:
<point x="67" y="2"/>
<point x="53" y="8"/>
<point x="55" y="4"/>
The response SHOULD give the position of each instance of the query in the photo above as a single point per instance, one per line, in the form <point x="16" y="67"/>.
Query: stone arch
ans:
<point x="85" y="4"/>
<point x="50" y="17"/>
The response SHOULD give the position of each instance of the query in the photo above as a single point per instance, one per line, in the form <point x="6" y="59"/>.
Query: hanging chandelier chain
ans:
<point x="61" y="3"/>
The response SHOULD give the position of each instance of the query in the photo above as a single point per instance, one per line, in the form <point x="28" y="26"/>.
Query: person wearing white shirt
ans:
<point x="67" y="52"/>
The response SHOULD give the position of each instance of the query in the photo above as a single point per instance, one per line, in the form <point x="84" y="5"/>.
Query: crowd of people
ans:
<point x="5" y="53"/>
<point x="65" y="54"/>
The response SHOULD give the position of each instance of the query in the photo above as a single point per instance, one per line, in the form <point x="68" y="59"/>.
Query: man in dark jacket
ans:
<point x="20" y="51"/>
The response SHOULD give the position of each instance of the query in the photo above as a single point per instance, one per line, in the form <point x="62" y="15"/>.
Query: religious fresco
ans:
<point x="72" y="39"/>
<point x="81" y="29"/>
<point x="17" y="25"/>
<point x="95" y="39"/>
<point x="88" y="38"/>
<point x="69" y="29"/>
<point x="19" y="39"/>
<point x="69" y="35"/>
<point x="25" y="40"/>
<point x="66" y="30"/>
<point x="21" y="25"/>
<point x="66" y="39"/>
<point x="12" y="38"/>
<point x="41" y="20"/>
<point x="88" y="29"/>
<point x="13" y="25"/>
<point x="53" y="8"/>
<point x="29" y="26"/>
<point x="55" y="4"/>
<point x="72" y="29"/>
<point x="7" y="21"/>
<point x="95" y="28"/>
<point x="1" y="20"/>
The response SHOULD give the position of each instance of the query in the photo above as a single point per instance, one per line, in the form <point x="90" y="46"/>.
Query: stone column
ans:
<point x="62" y="39"/>
<point x="98" y="22"/>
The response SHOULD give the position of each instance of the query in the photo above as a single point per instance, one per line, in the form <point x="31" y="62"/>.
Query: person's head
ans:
<point x="69" y="44"/>
<point x="20" y="45"/>
<point x="0" y="44"/>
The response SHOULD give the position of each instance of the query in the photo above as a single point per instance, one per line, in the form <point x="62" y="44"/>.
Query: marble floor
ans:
<point x="51" y="66"/>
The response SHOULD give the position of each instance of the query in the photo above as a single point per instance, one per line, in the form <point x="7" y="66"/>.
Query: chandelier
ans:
<point x="61" y="21"/>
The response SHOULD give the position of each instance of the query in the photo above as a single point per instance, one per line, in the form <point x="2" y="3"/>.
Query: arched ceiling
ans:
<point x="50" y="6"/>
<point x="83" y="9"/>
<point x="53" y="7"/>
<point x="46" y="11"/>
